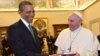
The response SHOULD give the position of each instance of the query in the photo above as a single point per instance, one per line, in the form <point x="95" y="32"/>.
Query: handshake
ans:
<point x="66" y="54"/>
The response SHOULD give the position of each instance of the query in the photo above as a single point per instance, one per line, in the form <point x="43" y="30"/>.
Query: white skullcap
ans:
<point x="79" y="14"/>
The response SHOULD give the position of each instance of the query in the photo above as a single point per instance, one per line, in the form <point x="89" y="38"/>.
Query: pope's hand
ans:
<point x="77" y="54"/>
<point x="54" y="55"/>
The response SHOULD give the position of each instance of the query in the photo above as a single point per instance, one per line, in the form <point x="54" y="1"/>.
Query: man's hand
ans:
<point x="6" y="48"/>
<point x="77" y="54"/>
<point x="54" y="55"/>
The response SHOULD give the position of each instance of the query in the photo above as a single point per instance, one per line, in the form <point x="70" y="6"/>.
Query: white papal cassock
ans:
<point x="81" y="41"/>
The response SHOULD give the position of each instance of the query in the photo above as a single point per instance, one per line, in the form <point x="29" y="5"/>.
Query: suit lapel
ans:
<point x="25" y="28"/>
<point x="29" y="33"/>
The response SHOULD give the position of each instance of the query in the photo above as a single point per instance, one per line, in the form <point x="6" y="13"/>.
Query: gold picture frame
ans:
<point x="41" y="25"/>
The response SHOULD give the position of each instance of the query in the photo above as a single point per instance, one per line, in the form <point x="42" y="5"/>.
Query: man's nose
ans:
<point x="31" y="13"/>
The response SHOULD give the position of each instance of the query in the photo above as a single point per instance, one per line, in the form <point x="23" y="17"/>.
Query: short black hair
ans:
<point x="22" y="5"/>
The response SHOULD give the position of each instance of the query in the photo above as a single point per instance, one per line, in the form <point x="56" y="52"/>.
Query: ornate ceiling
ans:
<point x="12" y="5"/>
<point x="66" y="4"/>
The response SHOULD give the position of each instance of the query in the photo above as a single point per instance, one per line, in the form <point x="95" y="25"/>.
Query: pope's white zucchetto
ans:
<point x="79" y="14"/>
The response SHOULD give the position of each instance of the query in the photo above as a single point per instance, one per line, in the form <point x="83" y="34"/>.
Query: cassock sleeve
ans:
<point x="94" y="50"/>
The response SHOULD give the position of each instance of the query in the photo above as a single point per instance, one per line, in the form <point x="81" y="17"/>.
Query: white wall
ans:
<point x="54" y="17"/>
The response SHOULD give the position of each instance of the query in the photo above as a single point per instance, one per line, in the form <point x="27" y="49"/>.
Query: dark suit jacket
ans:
<point x="49" y="40"/>
<point x="98" y="37"/>
<point x="21" y="40"/>
<point x="6" y="45"/>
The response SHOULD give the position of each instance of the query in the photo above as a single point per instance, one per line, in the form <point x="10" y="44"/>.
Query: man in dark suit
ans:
<point x="6" y="48"/>
<point x="50" y="43"/>
<point x="98" y="37"/>
<point x="22" y="38"/>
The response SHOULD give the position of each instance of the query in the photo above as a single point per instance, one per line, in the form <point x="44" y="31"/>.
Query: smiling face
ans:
<point x="27" y="13"/>
<point x="74" y="22"/>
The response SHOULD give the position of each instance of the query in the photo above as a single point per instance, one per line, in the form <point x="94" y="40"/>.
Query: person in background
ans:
<point x="98" y="37"/>
<point x="76" y="40"/>
<point x="6" y="50"/>
<point x="50" y="43"/>
<point x="55" y="47"/>
<point x="40" y="37"/>
<point x="22" y="37"/>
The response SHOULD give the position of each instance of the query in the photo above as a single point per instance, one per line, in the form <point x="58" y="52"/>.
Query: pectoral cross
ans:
<point x="69" y="49"/>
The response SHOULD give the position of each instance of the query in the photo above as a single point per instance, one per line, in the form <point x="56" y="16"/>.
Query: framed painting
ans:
<point x="41" y="26"/>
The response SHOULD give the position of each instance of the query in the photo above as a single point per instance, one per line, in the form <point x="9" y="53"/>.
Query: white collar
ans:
<point x="25" y="22"/>
<point x="78" y="29"/>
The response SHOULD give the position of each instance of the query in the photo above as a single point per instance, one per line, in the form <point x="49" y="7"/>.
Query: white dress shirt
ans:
<point x="25" y="22"/>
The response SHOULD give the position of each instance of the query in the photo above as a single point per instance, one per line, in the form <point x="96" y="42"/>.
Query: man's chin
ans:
<point x="30" y="21"/>
<point x="71" y="29"/>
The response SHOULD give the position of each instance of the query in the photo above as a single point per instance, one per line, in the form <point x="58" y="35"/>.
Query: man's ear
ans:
<point x="19" y="11"/>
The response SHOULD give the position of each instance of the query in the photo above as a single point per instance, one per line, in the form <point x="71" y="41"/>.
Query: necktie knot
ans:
<point x="30" y="27"/>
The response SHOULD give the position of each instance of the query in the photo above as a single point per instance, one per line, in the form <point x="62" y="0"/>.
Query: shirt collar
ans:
<point x="25" y="22"/>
